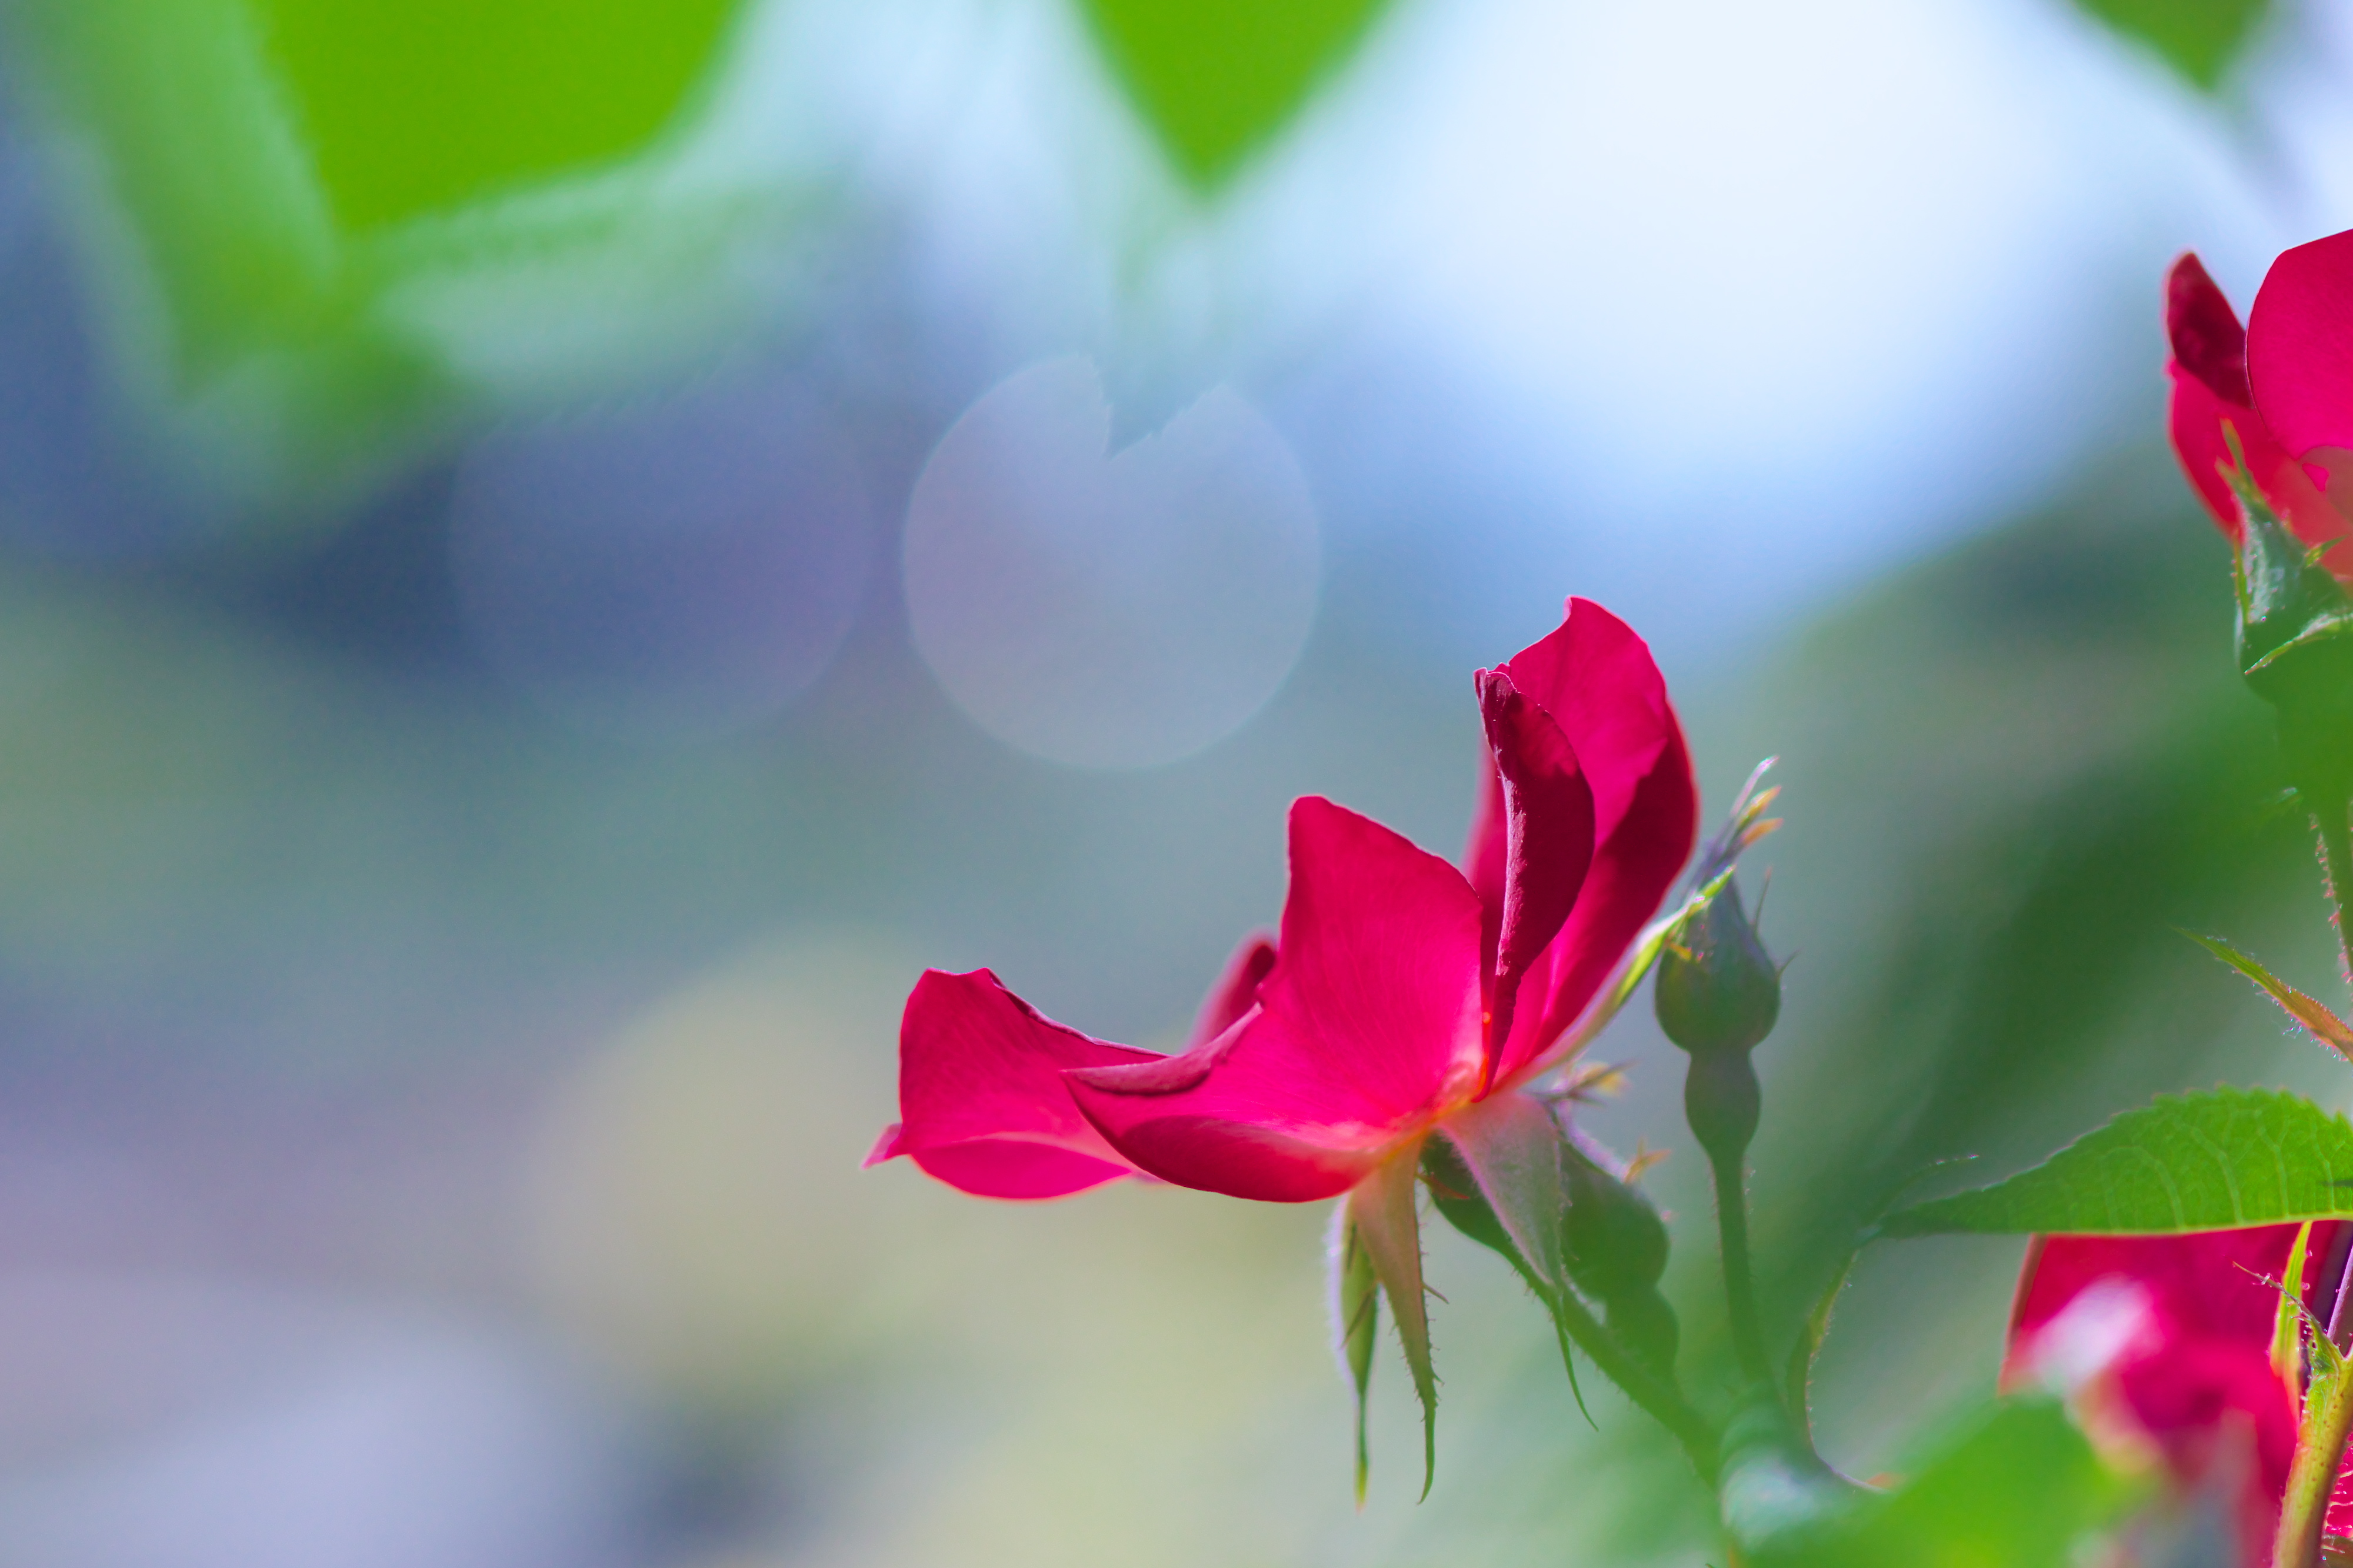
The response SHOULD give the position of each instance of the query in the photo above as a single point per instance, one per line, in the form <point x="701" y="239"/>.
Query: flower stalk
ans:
<point x="1718" y="996"/>
<point x="2320" y="1455"/>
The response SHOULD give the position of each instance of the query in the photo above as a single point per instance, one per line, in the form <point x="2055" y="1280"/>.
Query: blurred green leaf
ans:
<point x="311" y="220"/>
<point x="1216" y="77"/>
<point x="176" y="104"/>
<point x="2199" y="38"/>
<point x="2022" y="1490"/>
<point x="413" y="107"/>
<point x="2216" y="1160"/>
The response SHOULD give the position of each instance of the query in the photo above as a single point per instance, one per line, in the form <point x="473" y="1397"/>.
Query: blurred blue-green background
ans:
<point x="553" y="555"/>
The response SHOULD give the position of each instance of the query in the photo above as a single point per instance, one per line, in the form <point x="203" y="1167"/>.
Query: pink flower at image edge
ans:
<point x="2282" y="385"/>
<point x="2165" y="1341"/>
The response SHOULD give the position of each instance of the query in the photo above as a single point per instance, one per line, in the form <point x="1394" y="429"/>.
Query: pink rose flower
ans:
<point x="1403" y="993"/>
<point x="2283" y="385"/>
<point x="1404" y="997"/>
<point x="2165" y="1343"/>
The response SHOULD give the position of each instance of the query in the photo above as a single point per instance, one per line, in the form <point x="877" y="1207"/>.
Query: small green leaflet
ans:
<point x="2212" y="1160"/>
<point x="1215" y="79"/>
<point x="2323" y="1025"/>
<point x="2199" y="38"/>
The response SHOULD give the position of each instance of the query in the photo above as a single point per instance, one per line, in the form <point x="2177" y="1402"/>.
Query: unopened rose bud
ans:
<point x="1612" y="1238"/>
<point x="1646" y="1326"/>
<point x="1717" y="989"/>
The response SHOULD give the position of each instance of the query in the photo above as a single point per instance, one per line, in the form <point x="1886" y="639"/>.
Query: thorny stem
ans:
<point x="1661" y="1401"/>
<point x="2319" y="1452"/>
<point x="1739" y="1281"/>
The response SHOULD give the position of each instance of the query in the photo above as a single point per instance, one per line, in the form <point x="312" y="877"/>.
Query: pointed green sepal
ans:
<point x="2287" y="1325"/>
<point x="2294" y="620"/>
<point x="2312" y="1015"/>
<point x="1381" y="1213"/>
<point x="1356" y="1323"/>
<point x="1455" y="1193"/>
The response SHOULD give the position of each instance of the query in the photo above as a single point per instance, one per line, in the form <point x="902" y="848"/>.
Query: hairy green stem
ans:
<point x="2319" y="1453"/>
<point x="1658" y="1398"/>
<point x="1739" y="1279"/>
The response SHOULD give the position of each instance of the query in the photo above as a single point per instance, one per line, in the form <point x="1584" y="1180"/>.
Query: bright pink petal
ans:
<point x="1367" y="1030"/>
<point x="2300" y="345"/>
<point x="2206" y="1283"/>
<point x="1236" y="992"/>
<point x="1007" y="1168"/>
<point x="1548" y="837"/>
<point x="2196" y="421"/>
<point x="2194" y="1370"/>
<point x="1598" y="681"/>
<point x="982" y="1100"/>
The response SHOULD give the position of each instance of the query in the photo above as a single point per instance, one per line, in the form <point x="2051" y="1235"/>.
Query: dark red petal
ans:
<point x="982" y="1100"/>
<point x="1598" y="681"/>
<point x="1484" y="854"/>
<point x="1236" y="991"/>
<point x="2208" y="342"/>
<point x="1548" y="836"/>
<point x="1368" y="1026"/>
<point x="2300" y="346"/>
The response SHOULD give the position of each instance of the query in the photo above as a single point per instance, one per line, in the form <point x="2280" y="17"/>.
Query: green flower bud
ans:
<point x="1643" y="1322"/>
<point x="1611" y="1237"/>
<point x="1717" y="989"/>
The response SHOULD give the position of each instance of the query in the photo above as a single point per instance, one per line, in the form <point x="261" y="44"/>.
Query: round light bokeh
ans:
<point x="1109" y="609"/>
<point x="665" y="572"/>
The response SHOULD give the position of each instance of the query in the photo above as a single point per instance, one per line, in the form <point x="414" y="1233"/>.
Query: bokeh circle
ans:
<point x="1109" y="609"/>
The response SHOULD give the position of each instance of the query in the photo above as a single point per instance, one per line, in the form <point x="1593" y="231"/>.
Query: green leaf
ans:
<point x="1798" y="1392"/>
<point x="1356" y="1316"/>
<point x="2215" y="1159"/>
<point x="417" y="107"/>
<point x="2199" y="38"/>
<point x="1216" y="78"/>
<point x="2021" y="1489"/>
<point x="300" y="226"/>
<point x="2323" y="1025"/>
